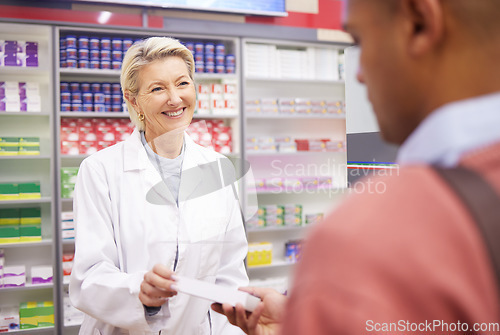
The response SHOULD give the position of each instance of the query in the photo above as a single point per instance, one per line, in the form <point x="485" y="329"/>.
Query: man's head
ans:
<point x="417" y="55"/>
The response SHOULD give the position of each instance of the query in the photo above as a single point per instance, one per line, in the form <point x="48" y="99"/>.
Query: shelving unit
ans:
<point x="273" y="84"/>
<point x="32" y="168"/>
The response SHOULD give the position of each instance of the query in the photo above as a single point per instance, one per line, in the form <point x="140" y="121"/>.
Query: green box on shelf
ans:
<point x="9" y="141"/>
<point x="29" y="141"/>
<point x="10" y="216"/>
<point x="29" y="190"/>
<point x="9" y="191"/>
<point x="36" y="314"/>
<point x="67" y="191"/>
<point x="9" y="234"/>
<point x="27" y="150"/>
<point x="30" y="233"/>
<point x="68" y="175"/>
<point x="9" y="150"/>
<point x="30" y="216"/>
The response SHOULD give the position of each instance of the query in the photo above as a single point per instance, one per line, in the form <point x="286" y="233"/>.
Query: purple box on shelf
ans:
<point x="107" y="99"/>
<point x="220" y="49"/>
<point x="230" y="60"/>
<point x="106" y="55"/>
<point x="220" y="59"/>
<point x="230" y="69"/>
<point x="83" y="53"/>
<point x="116" y="99"/>
<point x="209" y="68"/>
<point x="117" y="55"/>
<point x="220" y="69"/>
<point x="190" y="46"/>
<point x="99" y="98"/>
<point x="65" y="97"/>
<point x="71" y="53"/>
<point x="127" y="43"/>
<point x="116" y="89"/>
<point x="10" y="59"/>
<point x="116" y="65"/>
<point x="210" y="48"/>
<point x="88" y="97"/>
<point x="116" y="108"/>
<point x="99" y="108"/>
<point x="117" y="44"/>
<point x="63" y="54"/>
<point x="76" y="107"/>
<point x="41" y="274"/>
<point x="199" y="57"/>
<point x="95" y="87"/>
<point x="95" y="54"/>
<point x="74" y="86"/>
<point x="95" y="64"/>
<point x="10" y="47"/>
<point x="85" y="87"/>
<point x="199" y="48"/>
<point x="94" y="43"/>
<point x="76" y="96"/>
<point x="105" y="43"/>
<point x="106" y="88"/>
<point x="70" y="41"/>
<point x="209" y="58"/>
<point x="71" y="63"/>
<point x="88" y="107"/>
<point x="83" y="64"/>
<point x="83" y="42"/>
<point x="64" y="86"/>
<point x="65" y="107"/>
<point x="199" y="66"/>
<point x="105" y="64"/>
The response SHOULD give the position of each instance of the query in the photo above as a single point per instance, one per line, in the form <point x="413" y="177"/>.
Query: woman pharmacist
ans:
<point x="141" y="212"/>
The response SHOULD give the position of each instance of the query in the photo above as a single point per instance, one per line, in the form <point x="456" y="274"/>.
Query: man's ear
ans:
<point x="427" y="21"/>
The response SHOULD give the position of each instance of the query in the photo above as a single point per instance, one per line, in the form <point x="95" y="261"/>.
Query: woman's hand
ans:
<point x="156" y="286"/>
<point x="264" y="320"/>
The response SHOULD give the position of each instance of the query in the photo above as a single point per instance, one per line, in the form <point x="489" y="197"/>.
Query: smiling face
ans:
<point x="166" y="96"/>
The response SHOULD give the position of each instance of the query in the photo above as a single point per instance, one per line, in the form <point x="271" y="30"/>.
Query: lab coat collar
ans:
<point x="135" y="158"/>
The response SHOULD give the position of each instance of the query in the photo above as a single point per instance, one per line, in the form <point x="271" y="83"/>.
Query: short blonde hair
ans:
<point x="142" y="53"/>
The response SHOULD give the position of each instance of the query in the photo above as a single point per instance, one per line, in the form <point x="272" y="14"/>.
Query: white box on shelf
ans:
<point x="9" y="318"/>
<point x="41" y="274"/>
<point x="14" y="275"/>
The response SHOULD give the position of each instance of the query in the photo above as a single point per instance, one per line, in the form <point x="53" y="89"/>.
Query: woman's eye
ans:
<point x="184" y="83"/>
<point x="156" y="89"/>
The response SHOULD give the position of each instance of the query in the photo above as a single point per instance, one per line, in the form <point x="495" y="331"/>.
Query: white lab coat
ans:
<point x="127" y="221"/>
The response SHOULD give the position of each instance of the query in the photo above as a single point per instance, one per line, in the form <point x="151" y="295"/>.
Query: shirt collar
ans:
<point x="453" y="130"/>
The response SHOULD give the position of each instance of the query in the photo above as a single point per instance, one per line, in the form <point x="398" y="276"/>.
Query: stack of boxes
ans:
<point x="314" y="218"/>
<point x="293" y="251"/>
<point x="13" y="276"/>
<point x="211" y="57"/>
<point x="67" y="226"/>
<point x="276" y="215"/>
<point x="267" y="144"/>
<point x="212" y="134"/>
<point x="293" y="106"/>
<point x="20" y="225"/>
<point x="9" y="318"/>
<point x="22" y="146"/>
<point x="68" y="181"/>
<point x="20" y="97"/>
<point x="18" y="53"/>
<point x="86" y="136"/>
<point x="67" y="265"/>
<point x="20" y="191"/>
<point x="93" y="52"/>
<point x="35" y="314"/>
<point x="91" y="97"/>
<point x="291" y="184"/>
<point x="259" y="254"/>
<point x="217" y="99"/>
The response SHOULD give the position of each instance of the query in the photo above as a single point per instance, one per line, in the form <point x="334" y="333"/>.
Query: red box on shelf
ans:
<point x="104" y="144"/>
<point x="302" y="145"/>
<point x="121" y="133"/>
<point x="70" y="148"/>
<point x="87" y="147"/>
<point x="69" y="133"/>
<point x="105" y="133"/>
<point x="87" y="133"/>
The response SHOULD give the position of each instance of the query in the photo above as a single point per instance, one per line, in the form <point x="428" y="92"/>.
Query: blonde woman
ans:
<point x="149" y="207"/>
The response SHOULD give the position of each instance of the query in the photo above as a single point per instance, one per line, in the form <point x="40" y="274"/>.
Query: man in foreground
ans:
<point x="411" y="260"/>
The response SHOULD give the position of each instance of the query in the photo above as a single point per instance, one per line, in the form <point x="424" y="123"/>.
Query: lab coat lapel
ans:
<point x="191" y="175"/>
<point x="136" y="158"/>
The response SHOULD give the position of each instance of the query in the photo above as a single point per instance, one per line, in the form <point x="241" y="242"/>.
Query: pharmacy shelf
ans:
<point x="119" y="115"/>
<point x="116" y="74"/>
<point x="28" y="287"/>
<point x="19" y="70"/>
<point x="41" y="330"/>
<point x="297" y="116"/>
<point x="74" y="156"/>
<point x="25" y="157"/>
<point x="274" y="264"/>
<point x="91" y="72"/>
<point x="266" y="230"/>
<point x="26" y="201"/>
<point x="44" y="242"/>
<point x="214" y="116"/>
<point x="296" y="80"/>
<point x="298" y="190"/>
<point x="294" y="153"/>
<point x="24" y="114"/>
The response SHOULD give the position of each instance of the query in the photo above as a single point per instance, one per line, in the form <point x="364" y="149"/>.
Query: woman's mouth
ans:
<point x="174" y="113"/>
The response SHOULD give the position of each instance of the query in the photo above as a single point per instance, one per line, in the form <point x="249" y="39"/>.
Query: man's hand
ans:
<point x="156" y="286"/>
<point x="264" y="320"/>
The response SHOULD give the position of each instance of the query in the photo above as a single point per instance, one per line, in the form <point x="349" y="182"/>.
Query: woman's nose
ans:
<point x="174" y="98"/>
